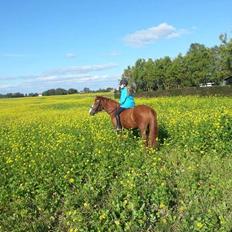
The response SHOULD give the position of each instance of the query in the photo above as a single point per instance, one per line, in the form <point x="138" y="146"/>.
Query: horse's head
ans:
<point x="96" y="107"/>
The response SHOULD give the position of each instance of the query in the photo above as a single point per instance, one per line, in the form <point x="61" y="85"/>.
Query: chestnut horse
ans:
<point x="142" y="117"/>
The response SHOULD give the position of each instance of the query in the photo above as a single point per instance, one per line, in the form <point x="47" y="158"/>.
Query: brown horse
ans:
<point x="142" y="117"/>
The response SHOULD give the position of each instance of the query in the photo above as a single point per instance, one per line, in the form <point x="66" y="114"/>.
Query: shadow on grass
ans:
<point x="162" y="134"/>
<point x="133" y="135"/>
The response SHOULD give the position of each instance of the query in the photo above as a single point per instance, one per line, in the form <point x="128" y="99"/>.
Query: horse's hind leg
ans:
<point x="143" y="132"/>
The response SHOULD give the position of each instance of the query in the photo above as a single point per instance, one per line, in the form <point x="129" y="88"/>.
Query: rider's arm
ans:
<point x="123" y="96"/>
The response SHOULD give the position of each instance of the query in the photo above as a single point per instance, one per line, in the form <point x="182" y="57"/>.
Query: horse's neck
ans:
<point x="110" y="106"/>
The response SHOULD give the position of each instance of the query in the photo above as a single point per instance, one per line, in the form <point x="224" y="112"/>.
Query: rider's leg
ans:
<point x="117" y="113"/>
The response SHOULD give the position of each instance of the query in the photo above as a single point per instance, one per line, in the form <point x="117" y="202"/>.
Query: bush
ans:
<point x="200" y="91"/>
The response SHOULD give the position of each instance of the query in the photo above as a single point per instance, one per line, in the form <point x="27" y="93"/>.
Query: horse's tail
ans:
<point x="153" y="130"/>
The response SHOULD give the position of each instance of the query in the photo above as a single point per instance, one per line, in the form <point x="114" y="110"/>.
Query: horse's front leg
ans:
<point x="113" y="120"/>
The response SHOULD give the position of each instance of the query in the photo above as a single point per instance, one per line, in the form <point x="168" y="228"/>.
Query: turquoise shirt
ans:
<point x="126" y="100"/>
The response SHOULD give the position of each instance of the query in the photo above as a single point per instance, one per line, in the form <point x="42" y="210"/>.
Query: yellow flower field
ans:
<point x="62" y="170"/>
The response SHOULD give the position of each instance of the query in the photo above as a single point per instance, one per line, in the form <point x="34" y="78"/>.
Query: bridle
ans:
<point x="94" y="108"/>
<point x="97" y="106"/>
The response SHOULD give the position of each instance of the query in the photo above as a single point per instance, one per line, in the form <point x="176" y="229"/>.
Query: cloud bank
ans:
<point x="93" y="76"/>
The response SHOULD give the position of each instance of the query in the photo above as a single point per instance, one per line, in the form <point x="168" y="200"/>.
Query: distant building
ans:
<point x="208" y="84"/>
<point x="227" y="81"/>
<point x="40" y="95"/>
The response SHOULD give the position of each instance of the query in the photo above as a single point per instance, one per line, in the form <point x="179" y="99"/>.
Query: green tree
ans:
<point x="86" y="90"/>
<point x="225" y="56"/>
<point x="72" y="91"/>
<point x="149" y="74"/>
<point x="162" y="74"/>
<point x="128" y="73"/>
<point x="139" y="75"/>
<point x="198" y="61"/>
<point x="199" y="66"/>
<point x="177" y="73"/>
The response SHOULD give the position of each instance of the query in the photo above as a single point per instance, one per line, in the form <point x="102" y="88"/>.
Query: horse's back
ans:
<point x="139" y="109"/>
<point x="144" y="110"/>
<point x="137" y="115"/>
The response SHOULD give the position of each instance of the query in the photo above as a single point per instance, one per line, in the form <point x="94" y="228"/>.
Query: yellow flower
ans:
<point x="162" y="205"/>
<point x="86" y="205"/>
<point x="117" y="222"/>
<point x="102" y="216"/>
<point x="71" y="180"/>
<point x="199" y="225"/>
<point x="73" y="230"/>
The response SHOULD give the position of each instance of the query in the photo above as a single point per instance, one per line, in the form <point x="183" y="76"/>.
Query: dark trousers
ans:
<point x="117" y="113"/>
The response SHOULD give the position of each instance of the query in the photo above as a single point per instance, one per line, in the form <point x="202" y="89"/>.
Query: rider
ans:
<point x="126" y="101"/>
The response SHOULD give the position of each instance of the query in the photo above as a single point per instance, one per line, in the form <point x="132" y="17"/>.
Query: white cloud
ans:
<point x="152" y="34"/>
<point x="13" y="55"/>
<point x="15" y="78"/>
<point x="46" y="78"/>
<point x="2" y="86"/>
<point x="80" y="69"/>
<point x="79" y="82"/>
<point x="75" y="76"/>
<point x="70" y="55"/>
<point x="113" y="53"/>
<point x="81" y="79"/>
<point x="71" y="78"/>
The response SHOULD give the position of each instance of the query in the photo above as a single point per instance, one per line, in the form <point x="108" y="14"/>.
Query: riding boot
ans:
<point x="118" y="126"/>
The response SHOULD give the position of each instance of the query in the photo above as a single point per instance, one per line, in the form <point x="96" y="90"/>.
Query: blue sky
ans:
<point x="75" y="44"/>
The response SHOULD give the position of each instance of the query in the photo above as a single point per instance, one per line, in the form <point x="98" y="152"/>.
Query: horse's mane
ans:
<point x="106" y="99"/>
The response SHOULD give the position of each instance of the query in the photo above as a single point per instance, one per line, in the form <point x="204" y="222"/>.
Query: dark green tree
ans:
<point x="225" y="56"/>
<point x="198" y="60"/>
<point x="72" y="91"/>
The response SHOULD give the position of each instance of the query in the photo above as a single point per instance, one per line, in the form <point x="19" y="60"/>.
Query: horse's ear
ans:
<point x="99" y="98"/>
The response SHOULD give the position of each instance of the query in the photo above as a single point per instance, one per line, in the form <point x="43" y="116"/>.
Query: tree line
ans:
<point x="61" y="91"/>
<point x="58" y="91"/>
<point x="18" y="94"/>
<point x="199" y="65"/>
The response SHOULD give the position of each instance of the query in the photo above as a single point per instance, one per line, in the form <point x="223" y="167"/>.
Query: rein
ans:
<point x="109" y="112"/>
<point x="113" y="110"/>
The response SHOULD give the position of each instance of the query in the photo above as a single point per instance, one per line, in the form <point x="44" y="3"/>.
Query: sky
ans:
<point x="85" y="43"/>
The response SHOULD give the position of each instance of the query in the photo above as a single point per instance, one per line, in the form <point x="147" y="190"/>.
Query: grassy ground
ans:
<point x="62" y="170"/>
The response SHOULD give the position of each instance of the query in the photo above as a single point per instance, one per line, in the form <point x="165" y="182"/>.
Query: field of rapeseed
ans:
<point x="62" y="170"/>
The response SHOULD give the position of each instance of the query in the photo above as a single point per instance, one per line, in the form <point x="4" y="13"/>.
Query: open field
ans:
<point x="62" y="170"/>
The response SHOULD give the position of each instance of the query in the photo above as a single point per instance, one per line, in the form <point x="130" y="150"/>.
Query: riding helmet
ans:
<point x="124" y="81"/>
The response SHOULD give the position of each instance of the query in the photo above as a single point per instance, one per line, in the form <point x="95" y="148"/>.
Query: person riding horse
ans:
<point x="140" y="117"/>
<point x="126" y="101"/>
